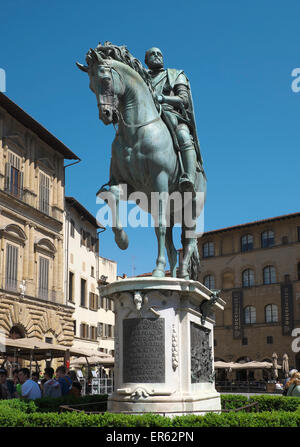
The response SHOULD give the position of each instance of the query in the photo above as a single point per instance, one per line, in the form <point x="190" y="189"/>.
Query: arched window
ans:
<point x="271" y="313"/>
<point x="209" y="281"/>
<point x="208" y="249"/>
<point x="247" y="242"/>
<point x="269" y="275"/>
<point x="250" y="315"/>
<point x="267" y="239"/>
<point x="248" y="278"/>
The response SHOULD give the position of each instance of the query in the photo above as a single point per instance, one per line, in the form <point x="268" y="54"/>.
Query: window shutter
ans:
<point x="7" y="175"/>
<point x="11" y="266"/>
<point x="21" y="184"/>
<point x="43" y="277"/>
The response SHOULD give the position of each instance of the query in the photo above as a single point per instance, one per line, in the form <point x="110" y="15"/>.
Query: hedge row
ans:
<point x="50" y="404"/>
<point x="275" y="403"/>
<point x="266" y="419"/>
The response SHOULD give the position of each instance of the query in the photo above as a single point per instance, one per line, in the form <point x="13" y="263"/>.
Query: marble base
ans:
<point x="163" y="346"/>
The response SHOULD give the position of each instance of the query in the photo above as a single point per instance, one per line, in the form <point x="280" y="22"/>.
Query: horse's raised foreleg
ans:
<point x="112" y="198"/>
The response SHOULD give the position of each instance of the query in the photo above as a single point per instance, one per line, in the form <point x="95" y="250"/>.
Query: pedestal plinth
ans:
<point x="163" y="346"/>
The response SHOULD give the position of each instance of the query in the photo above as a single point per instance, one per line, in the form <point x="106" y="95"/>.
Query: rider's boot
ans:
<point x="187" y="179"/>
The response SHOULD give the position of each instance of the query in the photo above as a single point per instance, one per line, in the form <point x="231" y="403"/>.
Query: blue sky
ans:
<point x="238" y="56"/>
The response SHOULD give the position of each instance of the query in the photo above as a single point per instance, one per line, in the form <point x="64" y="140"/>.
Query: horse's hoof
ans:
<point x="183" y="275"/>
<point x="121" y="239"/>
<point x="158" y="273"/>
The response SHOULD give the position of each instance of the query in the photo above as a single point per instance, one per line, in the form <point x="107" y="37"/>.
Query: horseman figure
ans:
<point x="154" y="112"/>
<point x="172" y="90"/>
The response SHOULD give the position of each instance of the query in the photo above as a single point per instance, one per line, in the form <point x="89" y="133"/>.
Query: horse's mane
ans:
<point x="121" y="54"/>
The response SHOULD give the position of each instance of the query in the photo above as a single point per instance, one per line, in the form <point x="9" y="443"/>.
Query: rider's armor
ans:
<point x="172" y="89"/>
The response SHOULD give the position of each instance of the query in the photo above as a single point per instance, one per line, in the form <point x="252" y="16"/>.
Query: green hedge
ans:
<point x="232" y="401"/>
<point x="50" y="404"/>
<point x="277" y="403"/>
<point x="265" y="419"/>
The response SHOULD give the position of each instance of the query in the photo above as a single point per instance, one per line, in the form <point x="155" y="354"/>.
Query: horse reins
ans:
<point x="119" y="113"/>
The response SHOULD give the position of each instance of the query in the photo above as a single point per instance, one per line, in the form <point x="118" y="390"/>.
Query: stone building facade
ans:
<point x="85" y="273"/>
<point x="257" y="268"/>
<point x="32" y="302"/>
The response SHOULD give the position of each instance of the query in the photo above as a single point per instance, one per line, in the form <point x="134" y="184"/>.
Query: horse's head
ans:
<point x="106" y="83"/>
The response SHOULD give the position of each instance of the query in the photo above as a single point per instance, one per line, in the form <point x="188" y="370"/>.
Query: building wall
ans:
<point x="227" y="266"/>
<point x="35" y="228"/>
<point x="86" y="264"/>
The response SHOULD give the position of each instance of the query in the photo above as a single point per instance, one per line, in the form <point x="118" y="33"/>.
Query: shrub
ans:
<point x="52" y="404"/>
<point x="232" y="401"/>
<point x="278" y="403"/>
<point x="23" y="405"/>
<point x="240" y="419"/>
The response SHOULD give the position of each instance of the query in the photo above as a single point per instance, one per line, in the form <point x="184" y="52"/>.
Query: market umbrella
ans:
<point x="285" y="365"/>
<point x="275" y="365"/>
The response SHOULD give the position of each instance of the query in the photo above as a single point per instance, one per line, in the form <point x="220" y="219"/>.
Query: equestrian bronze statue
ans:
<point x="156" y="148"/>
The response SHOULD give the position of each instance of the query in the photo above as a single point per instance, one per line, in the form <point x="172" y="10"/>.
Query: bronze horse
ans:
<point x="143" y="156"/>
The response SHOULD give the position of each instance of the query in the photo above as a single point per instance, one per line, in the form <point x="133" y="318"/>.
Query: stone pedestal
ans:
<point x="163" y="346"/>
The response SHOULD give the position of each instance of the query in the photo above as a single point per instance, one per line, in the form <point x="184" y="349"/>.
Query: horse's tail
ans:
<point x="195" y="263"/>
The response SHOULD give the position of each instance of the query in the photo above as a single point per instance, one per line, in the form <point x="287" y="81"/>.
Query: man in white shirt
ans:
<point x="30" y="389"/>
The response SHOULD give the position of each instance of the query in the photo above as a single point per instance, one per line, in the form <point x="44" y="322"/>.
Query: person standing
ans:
<point x="29" y="388"/>
<point x="64" y="380"/>
<point x="294" y="386"/>
<point x="4" y="393"/>
<point x="51" y="387"/>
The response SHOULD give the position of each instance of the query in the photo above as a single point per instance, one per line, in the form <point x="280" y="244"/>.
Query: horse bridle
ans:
<point x="115" y="101"/>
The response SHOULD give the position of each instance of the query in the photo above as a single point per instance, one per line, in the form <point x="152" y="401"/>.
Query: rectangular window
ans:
<point x="93" y="272"/>
<point x="11" y="276"/>
<point x="49" y="340"/>
<point x="44" y="199"/>
<point x="84" y="330"/>
<point x="208" y="249"/>
<point x="43" y="278"/>
<point x="93" y="333"/>
<point x="13" y="175"/>
<point x="72" y="228"/>
<point x="269" y="340"/>
<point x="71" y="286"/>
<point x="93" y="305"/>
<point x="74" y="327"/>
<point x="83" y="293"/>
<point x="244" y="341"/>
<point x="100" y="330"/>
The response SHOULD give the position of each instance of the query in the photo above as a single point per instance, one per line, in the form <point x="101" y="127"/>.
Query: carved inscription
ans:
<point x="144" y="350"/>
<point x="201" y="355"/>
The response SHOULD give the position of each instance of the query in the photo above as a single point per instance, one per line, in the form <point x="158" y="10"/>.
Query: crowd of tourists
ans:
<point x="22" y="386"/>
